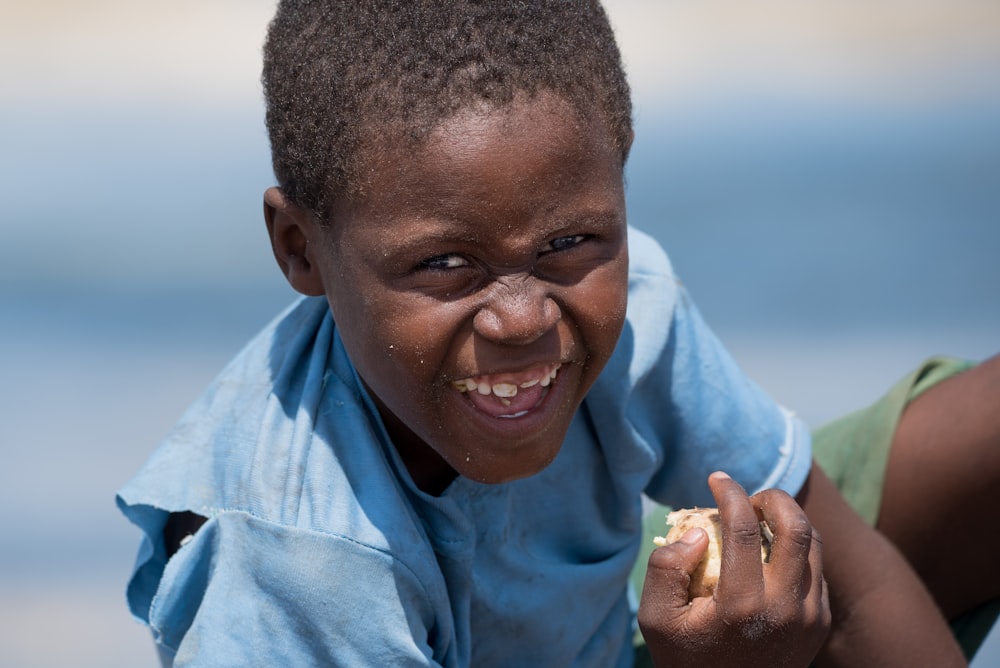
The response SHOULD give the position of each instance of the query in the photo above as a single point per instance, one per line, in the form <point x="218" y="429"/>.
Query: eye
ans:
<point x="443" y="263"/>
<point x="565" y="243"/>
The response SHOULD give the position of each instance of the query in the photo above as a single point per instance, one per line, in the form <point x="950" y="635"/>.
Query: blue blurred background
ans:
<point x="826" y="177"/>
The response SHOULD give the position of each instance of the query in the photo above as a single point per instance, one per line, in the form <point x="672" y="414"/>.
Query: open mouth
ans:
<point x="509" y="395"/>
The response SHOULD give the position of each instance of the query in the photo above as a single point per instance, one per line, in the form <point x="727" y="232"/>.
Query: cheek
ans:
<point x="401" y="347"/>
<point x="603" y="299"/>
<point x="398" y="372"/>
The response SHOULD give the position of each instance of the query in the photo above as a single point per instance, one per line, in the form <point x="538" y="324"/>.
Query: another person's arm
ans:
<point x="939" y="503"/>
<point x="883" y="615"/>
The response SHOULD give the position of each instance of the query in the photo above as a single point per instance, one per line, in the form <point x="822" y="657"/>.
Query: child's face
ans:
<point x="480" y="286"/>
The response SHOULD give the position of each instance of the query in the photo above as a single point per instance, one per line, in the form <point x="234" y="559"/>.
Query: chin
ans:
<point x="493" y="467"/>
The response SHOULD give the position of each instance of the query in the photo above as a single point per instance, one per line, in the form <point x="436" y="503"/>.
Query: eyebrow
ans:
<point x="431" y="230"/>
<point x="407" y="241"/>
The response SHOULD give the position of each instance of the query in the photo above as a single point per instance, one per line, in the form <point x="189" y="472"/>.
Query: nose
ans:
<point x="517" y="311"/>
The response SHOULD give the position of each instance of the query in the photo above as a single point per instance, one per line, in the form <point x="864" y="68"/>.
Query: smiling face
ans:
<point x="480" y="286"/>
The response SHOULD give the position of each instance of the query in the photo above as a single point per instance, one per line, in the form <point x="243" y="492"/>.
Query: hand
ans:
<point x="773" y="614"/>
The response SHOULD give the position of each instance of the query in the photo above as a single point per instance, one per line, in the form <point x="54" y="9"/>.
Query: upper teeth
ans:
<point x="505" y="390"/>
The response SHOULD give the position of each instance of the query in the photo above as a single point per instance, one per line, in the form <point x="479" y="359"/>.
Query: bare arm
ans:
<point x="883" y="615"/>
<point x="944" y="471"/>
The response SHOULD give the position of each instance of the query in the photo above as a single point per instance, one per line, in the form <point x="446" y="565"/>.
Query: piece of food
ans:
<point x="706" y="576"/>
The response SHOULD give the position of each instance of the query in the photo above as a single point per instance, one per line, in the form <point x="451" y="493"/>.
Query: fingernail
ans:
<point x="720" y="475"/>
<point x="692" y="536"/>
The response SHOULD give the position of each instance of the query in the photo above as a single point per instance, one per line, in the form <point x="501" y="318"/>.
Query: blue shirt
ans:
<point x="320" y="550"/>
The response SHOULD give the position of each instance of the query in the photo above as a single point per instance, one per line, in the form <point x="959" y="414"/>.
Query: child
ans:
<point x="438" y="455"/>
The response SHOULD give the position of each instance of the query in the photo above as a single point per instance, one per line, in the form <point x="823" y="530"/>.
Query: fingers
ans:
<point x="779" y="609"/>
<point x="821" y="612"/>
<point x="741" y="577"/>
<point x="796" y="554"/>
<point x="795" y="569"/>
<point x="668" y="576"/>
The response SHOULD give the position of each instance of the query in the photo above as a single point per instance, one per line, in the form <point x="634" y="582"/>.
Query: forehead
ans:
<point x="493" y="143"/>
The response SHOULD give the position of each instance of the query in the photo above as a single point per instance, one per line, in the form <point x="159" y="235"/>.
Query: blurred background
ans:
<point x="825" y="175"/>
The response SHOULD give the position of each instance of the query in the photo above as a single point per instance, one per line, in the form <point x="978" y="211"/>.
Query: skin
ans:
<point x="883" y="614"/>
<point x="877" y="610"/>
<point x="774" y="614"/>
<point x="944" y="471"/>
<point x="497" y="248"/>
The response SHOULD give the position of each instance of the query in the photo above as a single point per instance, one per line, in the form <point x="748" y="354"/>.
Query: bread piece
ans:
<point x="706" y="576"/>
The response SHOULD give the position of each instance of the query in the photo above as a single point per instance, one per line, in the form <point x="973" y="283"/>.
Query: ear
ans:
<point x="631" y="140"/>
<point x="289" y="227"/>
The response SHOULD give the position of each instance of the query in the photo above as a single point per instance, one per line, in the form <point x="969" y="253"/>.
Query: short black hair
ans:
<point x="340" y="73"/>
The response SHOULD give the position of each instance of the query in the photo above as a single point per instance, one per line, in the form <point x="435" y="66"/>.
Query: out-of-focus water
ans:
<point x="833" y="244"/>
<point x="829" y="270"/>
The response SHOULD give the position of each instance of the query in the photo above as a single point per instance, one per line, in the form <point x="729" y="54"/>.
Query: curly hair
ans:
<point x="341" y="74"/>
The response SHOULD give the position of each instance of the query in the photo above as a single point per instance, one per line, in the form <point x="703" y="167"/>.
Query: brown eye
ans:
<point x="443" y="263"/>
<point x="565" y="243"/>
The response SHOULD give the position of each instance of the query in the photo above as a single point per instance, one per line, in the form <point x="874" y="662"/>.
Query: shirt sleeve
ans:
<point x="246" y="592"/>
<point x="717" y="418"/>
<point x="672" y="405"/>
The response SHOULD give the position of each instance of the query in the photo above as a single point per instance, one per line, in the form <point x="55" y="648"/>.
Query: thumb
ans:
<point x="668" y="576"/>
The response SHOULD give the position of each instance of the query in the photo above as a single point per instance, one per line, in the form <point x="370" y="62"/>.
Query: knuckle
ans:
<point x="773" y="495"/>
<point x="658" y="616"/>
<point x="790" y="610"/>
<point x="799" y="524"/>
<point x="744" y="532"/>
<point x="799" y="531"/>
<point x="737" y="609"/>
<point x="756" y="627"/>
<point x="646" y="618"/>
<point x="816" y="620"/>
<point x="668" y="558"/>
